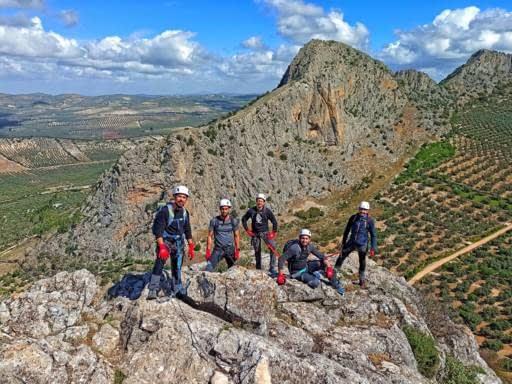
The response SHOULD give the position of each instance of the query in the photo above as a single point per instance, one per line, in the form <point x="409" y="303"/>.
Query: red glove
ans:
<point x="329" y="272"/>
<point x="281" y="278"/>
<point x="163" y="251"/>
<point x="191" y="252"/>
<point x="372" y="252"/>
<point x="237" y="254"/>
<point x="250" y="233"/>
<point x="208" y="254"/>
<point x="272" y="235"/>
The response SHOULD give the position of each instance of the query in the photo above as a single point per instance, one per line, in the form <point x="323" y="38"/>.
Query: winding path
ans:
<point x="432" y="267"/>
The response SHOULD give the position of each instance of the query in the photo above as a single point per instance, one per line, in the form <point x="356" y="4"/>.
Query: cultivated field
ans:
<point x="40" y="200"/>
<point x="477" y="287"/>
<point x="108" y="117"/>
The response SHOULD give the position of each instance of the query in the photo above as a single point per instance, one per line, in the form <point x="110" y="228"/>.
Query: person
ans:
<point x="260" y="215"/>
<point x="355" y="238"/>
<point x="171" y="227"/>
<point x="225" y="230"/>
<point x="296" y="254"/>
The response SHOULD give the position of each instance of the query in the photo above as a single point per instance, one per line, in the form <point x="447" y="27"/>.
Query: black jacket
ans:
<point x="259" y="219"/>
<point x="178" y="226"/>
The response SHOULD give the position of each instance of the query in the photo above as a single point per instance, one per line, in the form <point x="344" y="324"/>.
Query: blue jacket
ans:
<point x="359" y="226"/>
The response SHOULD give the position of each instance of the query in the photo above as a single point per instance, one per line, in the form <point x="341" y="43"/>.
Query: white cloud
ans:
<point x="450" y="39"/>
<point x="34" y="41"/>
<point x="253" y="42"/>
<point x="37" y="4"/>
<point x="300" y="22"/>
<point x="69" y="17"/>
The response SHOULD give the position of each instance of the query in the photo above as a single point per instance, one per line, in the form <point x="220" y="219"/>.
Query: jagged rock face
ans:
<point x="434" y="102"/>
<point x="337" y="116"/>
<point x="481" y="75"/>
<point x="218" y="335"/>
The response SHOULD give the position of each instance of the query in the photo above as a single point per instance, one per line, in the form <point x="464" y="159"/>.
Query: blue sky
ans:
<point x="176" y="46"/>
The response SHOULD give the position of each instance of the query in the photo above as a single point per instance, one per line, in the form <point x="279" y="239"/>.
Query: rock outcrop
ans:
<point x="236" y="327"/>
<point x="484" y="72"/>
<point x="338" y="116"/>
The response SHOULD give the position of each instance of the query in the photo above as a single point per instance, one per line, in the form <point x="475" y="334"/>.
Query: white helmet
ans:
<point x="305" y="232"/>
<point x="364" y="205"/>
<point x="261" y="196"/>
<point x="180" y="189"/>
<point x="225" y="203"/>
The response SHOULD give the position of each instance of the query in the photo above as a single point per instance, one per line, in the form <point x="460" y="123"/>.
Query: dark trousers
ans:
<point x="226" y="252"/>
<point x="271" y="244"/>
<point x="313" y="274"/>
<point x="347" y="250"/>
<point x="176" y="248"/>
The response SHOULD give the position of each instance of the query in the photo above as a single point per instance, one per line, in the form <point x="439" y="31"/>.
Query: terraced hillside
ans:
<point x="477" y="288"/>
<point x="31" y="153"/>
<point x="44" y="181"/>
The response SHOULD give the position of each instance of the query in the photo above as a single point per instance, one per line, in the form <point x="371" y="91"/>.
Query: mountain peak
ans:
<point x="481" y="74"/>
<point x="320" y="57"/>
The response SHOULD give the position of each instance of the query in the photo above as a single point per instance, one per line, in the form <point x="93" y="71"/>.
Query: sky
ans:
<point x="236" y="46"/>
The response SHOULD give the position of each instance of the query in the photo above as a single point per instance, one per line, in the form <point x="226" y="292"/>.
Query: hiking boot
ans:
<point x="272" y="274"/>
<point x="362" y="284"/>
<point x="152" y="294"/>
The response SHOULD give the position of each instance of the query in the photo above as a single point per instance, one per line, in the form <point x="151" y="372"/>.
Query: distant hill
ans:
<point x="110" y="116"/>
<point x="485" y="72"/>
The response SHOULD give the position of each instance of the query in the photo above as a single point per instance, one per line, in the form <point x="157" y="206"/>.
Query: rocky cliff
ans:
<point x="484" y="72"/>
<point x="337" y="116"/>
<point x="236" y="327"/>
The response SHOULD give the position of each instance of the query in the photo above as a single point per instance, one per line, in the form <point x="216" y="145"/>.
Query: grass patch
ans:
<point x="428" y="157"/>
<point x="424" y="349"/>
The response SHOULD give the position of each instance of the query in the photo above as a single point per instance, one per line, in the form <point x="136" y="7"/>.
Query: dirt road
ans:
<point x="432" y="267"/>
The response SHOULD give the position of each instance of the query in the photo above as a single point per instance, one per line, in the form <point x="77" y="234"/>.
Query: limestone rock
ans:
<point x="215" y="335"/>
<point x="106" y="340"/>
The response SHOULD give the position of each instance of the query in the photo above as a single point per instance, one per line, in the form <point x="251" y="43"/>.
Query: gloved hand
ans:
<point x="272" y="235"/>
<point x="191" y="252"/>
<point x="250" y="233"/>
<point x="281" y="278"/>
<point x="237" y="254"/>
<point x="372" y="252"/>
<point x="208" y="254"/>
<point x="163" y="251"/>
<point x="329" y="272"/>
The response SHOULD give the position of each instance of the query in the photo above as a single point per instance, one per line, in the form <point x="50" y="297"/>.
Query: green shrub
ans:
<point x="494" y="345"/>
<point x="424" y="348"/>
<point x="506" y="364"/>
<point x="311" y="213"/>
<point x="457" y="373"/>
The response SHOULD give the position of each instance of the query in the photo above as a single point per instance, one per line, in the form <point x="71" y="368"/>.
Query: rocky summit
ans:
<point x="235" y="327"/>
<point x="337" y="117"/>
<point x="485" y="72"/>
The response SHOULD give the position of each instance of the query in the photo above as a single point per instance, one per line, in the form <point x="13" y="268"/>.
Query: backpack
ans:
<point x="132" y="285"/>
<point x="289" y="243"/>
<point x="216" y="225"/>
<point x="361" y="235"/>
<point x="170" y="209"/>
